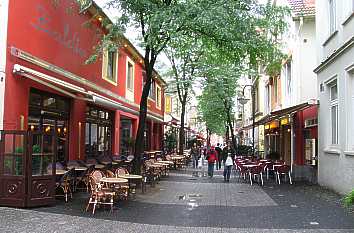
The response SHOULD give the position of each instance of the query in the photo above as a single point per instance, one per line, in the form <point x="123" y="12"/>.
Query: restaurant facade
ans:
<point x="46" y="86"/>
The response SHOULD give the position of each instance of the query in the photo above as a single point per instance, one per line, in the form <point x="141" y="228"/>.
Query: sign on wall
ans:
<point x="168" y="104"/>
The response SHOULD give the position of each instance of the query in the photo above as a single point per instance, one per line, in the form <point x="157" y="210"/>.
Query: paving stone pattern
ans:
<point x="188" y="202"/>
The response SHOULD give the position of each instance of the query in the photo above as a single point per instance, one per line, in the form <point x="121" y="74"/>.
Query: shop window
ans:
<point x="49" y="113"/>
<point x="98" y="139"/>
<point x="334" y="111"/>
<point x="109" y="66"/>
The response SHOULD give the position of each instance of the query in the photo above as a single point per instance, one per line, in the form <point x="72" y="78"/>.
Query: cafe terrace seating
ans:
<point x="98" y="194"/>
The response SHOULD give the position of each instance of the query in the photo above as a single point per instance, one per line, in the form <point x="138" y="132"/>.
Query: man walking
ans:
<point x="195" y="154"/>
<point x="219" y="151"/>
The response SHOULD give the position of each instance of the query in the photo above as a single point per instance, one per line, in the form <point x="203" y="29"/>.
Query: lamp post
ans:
<point x="244" y="101"/>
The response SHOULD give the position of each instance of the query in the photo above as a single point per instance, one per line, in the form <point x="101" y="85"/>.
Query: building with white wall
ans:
<point x="335" y="74"/>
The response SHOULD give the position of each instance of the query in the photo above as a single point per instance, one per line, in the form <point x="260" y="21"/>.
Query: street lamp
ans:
<point x="244" y="101"/>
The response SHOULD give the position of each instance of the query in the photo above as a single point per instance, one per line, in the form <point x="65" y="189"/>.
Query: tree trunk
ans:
<point x="181" y="131"/>
<point x="229" y="122"/>
<point x="139" y="142"/>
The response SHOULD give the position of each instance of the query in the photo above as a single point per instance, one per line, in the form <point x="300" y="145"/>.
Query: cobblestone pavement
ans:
<point x="186" y="201"/>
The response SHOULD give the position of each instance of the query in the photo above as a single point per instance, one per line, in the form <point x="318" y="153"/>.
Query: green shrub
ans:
<point x="349" y="199"/>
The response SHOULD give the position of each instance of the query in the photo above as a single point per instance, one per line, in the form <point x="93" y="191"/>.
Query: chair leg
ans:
<point x="94" y="208"/>
<point x="261" y="175"/>
<point x="278" y="177"/>
<point x="88" y="204"/>
<point x="291" y="182"/>
<point x="251" y="178"/>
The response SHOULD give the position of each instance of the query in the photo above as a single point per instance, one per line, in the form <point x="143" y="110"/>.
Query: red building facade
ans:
<point x="94" y="107"/>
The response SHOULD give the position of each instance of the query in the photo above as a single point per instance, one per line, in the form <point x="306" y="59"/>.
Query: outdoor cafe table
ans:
<point x="78" y="168"/>
<point x="165" y="162"/>
<point x="250" y="165"/>
<point x="60" y="172"/>
<point x="130" y="177"/>
<point x="113" y="180"/>
<point x="99" y="166"/>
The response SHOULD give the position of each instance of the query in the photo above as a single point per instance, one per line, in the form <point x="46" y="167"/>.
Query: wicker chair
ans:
<point x="65" y="185"/>
<point x="99" y="195"/>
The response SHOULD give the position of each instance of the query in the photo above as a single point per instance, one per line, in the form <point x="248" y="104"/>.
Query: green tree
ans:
<point x="184" y="54"/>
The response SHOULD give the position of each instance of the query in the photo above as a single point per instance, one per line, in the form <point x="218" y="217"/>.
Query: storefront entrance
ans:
<point x="27" y="168"/>
<point x="49" y="113"/>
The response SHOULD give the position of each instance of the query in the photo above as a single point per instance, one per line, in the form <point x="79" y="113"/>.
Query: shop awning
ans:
<point x="72" y="90"/>
<point x="281" y="113"/>
<point x="292" y="109"/>
<point x="49" y="81"/>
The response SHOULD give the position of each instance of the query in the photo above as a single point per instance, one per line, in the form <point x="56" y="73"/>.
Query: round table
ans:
<point x="78" y="168"/>
<point x="113" y="180"/>
<point x="99" y="166"/>
<point x="250" y="165"/>
<point x="60" y="172"/>
<point x="130" y="177"/>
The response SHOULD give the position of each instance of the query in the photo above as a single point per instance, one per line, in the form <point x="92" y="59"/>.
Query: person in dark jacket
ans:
<point x="227" y="158"/>
<point x="219" y="151"/>
<point x="195" y="154"/>
<point x="212" y="157"/>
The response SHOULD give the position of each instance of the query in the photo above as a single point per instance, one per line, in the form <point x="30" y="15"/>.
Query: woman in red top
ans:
<point x="211" y="157"/>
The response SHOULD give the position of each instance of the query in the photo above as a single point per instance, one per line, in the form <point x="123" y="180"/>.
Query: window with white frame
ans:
<point x="333" y="95"/>
<point x="109" y="66"/>
<point x="288" y="77"/>
<point x="129" y="92"/>
<point x="158" y="97"/>
<point x="350" y="128"/>
<point x="130" y="76"/>
<point x="332" y="16"/>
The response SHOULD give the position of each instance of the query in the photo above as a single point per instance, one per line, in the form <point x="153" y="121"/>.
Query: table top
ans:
<point x="130" y="176"/>
<point x="177" y="157"/>
<point x="164" y="161"/>
<point x="60" y="172"/>
<point x="163" y="164"/>
<point x="113" y="180"/>
<point x="78" y="168"/>
<point x="250" y="165"/>
<point x="99" y="166"/>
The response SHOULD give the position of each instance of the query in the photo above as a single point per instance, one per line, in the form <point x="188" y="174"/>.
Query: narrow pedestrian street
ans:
<point x="187" y="201"/>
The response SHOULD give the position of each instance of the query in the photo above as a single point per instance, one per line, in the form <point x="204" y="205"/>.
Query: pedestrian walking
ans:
<point x="212" y="158"/>
<point x="228" y="160"/>
<point x="195" y="154"/>
<point x="219" y="151"/>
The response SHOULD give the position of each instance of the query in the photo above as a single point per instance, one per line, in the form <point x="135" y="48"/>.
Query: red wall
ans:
<point x="56" y="34"/>
<point x="300" y="118"/>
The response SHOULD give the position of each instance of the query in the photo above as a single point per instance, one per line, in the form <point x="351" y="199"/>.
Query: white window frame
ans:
<point x="334" y="103"/>
<point x="113" y="81"/>
<point x="350" y="113"/>
<point x="158" y="97"/>
<point x="332" y="16"/>
<point x="129" y="92"/>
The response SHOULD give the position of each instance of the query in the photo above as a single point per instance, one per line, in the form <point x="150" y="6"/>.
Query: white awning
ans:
<point x="71" y="90"/>
<point x="44" y="79"/>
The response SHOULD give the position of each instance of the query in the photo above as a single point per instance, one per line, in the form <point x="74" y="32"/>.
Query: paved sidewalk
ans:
<point x="187" y="202"/>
